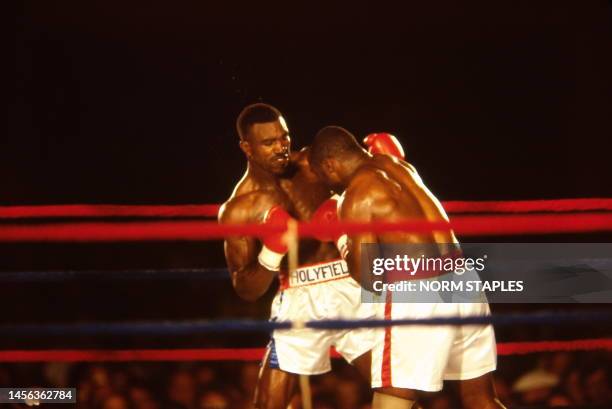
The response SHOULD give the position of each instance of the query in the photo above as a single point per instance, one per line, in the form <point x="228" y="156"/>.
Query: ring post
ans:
<point x="292" y="240"/>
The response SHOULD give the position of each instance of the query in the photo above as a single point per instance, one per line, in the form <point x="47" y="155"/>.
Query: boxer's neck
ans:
<point x="351" y="164"/>
<point x="261" y="176"/>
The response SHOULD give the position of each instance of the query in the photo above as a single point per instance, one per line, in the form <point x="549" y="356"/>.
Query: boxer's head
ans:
<point x="264" y="137"/>
<point x="334" y="156"/>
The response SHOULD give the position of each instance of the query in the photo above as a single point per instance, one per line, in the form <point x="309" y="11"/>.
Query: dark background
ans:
<point x="136" y="103"/>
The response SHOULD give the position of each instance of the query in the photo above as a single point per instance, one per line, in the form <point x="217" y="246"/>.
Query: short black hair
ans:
<point x="332" y="141"/>
<point x="255" y="114"/>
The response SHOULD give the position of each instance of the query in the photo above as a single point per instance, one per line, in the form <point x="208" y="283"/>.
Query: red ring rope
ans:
<point x="109" y="210"/>
<point x="526" y="206"/>
<point x="211" y="210"/>
<point x="255" y="354"/>
<point x="200" y="230"/>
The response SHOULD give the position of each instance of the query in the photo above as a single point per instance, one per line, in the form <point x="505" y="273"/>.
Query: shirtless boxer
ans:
<point x="278" y="185"/>
<point x="405" y="359"/>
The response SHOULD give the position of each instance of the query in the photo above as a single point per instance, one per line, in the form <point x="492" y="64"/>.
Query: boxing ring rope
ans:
<point x="240" y="326"/>
<point x="211" y="210"/>
<point x="256" y="354"/>
<point x="201" y="230"/>
<point x="115" y="275"/>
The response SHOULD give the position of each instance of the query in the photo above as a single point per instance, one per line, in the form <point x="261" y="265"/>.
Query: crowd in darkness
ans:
<point x="550" y="380"/>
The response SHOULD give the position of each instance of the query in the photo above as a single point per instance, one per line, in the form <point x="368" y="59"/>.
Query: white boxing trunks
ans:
<point x="421" y="357"/>
<point x="318" y="292"/>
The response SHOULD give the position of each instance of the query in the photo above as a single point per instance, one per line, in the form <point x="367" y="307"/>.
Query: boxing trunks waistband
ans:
<point x="312" y="274"/>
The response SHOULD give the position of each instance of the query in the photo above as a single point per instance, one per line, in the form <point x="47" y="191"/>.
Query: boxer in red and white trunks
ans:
<point x="407" y="359"/>
<point x="279" y="185"/>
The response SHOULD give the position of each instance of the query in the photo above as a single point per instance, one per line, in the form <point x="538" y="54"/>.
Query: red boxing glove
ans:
<point x="384" y="143"/>
<point x="326" y="213"/>
<point x="276" y="216"/>
<point x="274" y="248"/>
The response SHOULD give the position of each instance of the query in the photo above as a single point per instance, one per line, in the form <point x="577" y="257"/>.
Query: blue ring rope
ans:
<point x="104" y="275"/>
<point x="205" y="327"/>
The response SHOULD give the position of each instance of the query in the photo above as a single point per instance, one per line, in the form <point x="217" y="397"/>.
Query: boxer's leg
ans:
<point x="354" y="345"/>
<point x="394" y="398"/>
<point x="275" y="388"/>
<point x="293" y="352"/>
<point x="363" y="364"/>
<point x="473" y="358"/>
<point x="479" y="393"/>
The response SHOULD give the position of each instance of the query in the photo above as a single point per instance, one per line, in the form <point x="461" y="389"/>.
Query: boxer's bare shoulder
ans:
<point x="373" y="182"/>
<point x="399" y="170"/>
<point x="248" y="207"/>
<point x="370" y="191"/>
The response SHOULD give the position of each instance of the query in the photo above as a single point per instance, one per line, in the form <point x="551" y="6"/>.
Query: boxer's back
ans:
<point x="396" y="192"/>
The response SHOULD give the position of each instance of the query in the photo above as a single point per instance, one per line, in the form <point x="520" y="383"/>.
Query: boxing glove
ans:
<point x="384" y="143"/>
<point x="325" y="214"/>
<point x="274" y="247"/>
<point x="328" y="213"/>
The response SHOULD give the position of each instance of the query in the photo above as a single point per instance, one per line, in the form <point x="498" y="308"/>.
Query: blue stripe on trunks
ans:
<point x="273" y="358"/>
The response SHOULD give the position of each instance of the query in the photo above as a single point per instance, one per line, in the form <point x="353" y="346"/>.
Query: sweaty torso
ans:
<point x="300" y="194"/>
<point x="397" y="193"/>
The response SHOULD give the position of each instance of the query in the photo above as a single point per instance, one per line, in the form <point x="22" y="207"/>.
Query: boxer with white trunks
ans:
<point x="279" y="185"/>
<point x="406" y="359"/>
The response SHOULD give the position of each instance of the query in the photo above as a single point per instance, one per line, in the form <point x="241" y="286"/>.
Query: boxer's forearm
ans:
<point x="352" y="259"/>
<point x="351" y="251"/>
<point x="252" y="281"/>
<point x="355" y="259"/>
<point x="249" y="278"/>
